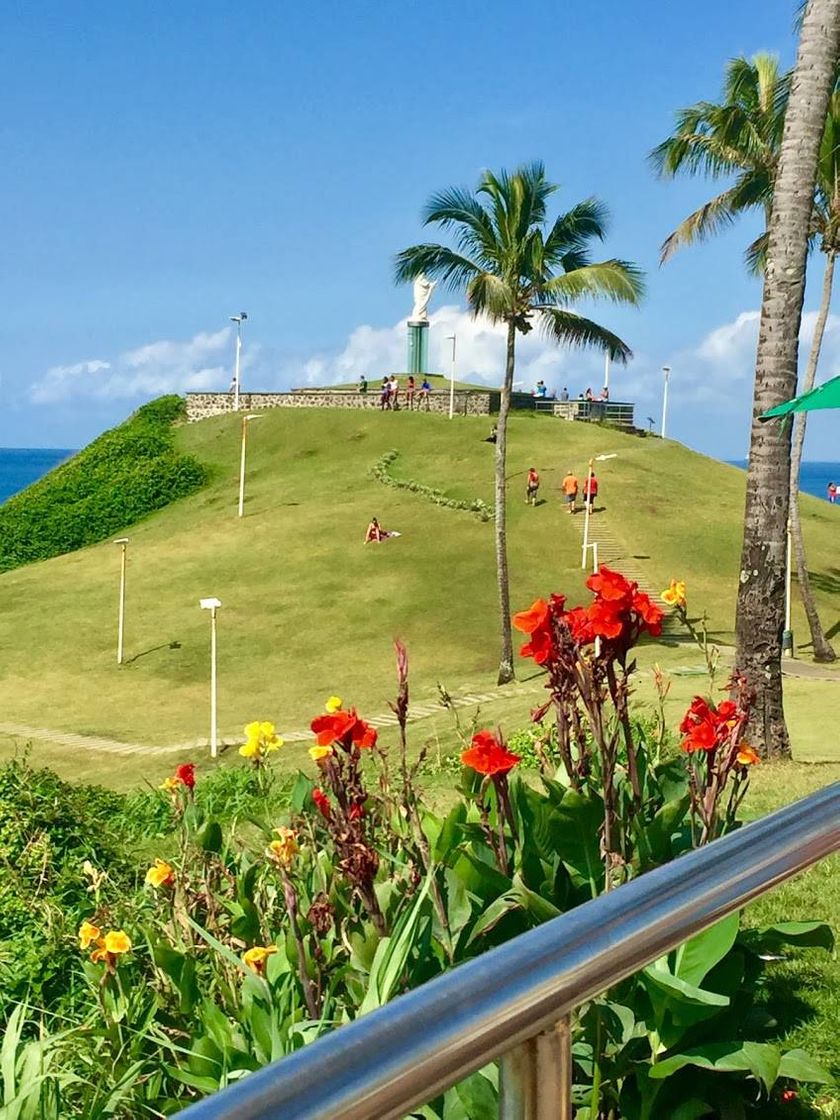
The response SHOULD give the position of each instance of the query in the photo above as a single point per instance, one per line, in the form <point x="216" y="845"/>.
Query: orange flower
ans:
<point x="535" y="618"/>
<point x="160" y="874"/>
<point x="674" y="594"/>
<point x="344" y="728"/>
<point x="285" y="849"/>
<point x="488" y="755"/>
<point x="746" y="756"/>
<point x="111" y="947"/>
<point x="88" y="933"/>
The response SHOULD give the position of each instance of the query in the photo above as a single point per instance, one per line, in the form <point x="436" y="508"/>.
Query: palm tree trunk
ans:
<point x="819" y="642"/>
<point x="759" y="618"/>
<point x="506" y="659"/>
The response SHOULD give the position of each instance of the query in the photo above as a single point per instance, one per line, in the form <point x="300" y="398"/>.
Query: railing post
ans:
<point x="536" y="1077"/>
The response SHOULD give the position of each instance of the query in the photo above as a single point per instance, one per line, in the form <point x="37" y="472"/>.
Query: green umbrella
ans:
<point x="826" y="395"/>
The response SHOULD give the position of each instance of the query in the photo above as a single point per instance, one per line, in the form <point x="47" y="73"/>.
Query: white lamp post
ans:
<point x="588" y="506"/>
<point x="239" y="320"/>
<point x="122" y="542"/>
<point x="212" y="605"/>
<point x="787" y="635"/>
<point x="245" y="422"/>
<point x="451" y="338"/>
<point x="607" y="371"/>
<point x="666" y="370"/>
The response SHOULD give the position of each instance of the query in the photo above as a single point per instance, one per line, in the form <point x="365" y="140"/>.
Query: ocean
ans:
<point x="813" y="478"/>
<point x="21" y="466"/>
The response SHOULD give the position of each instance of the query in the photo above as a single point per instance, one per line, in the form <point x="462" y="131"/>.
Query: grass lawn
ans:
<point x="309" y="610"/>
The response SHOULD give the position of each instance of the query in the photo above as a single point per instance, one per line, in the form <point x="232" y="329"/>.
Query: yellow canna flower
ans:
<point x="286" y="848"/>
<point x="317" y="753"/>
<point x="674" y="595"/>
<point x="117" y="942"/>
<point x="169" y="784"/>
<point x="250" y="748"/>
<point x="260" y="738"/>
<point x="88" y="932"/>
<point x="333" y="704"/>
<point x="746" y="756"/>
<point x="255" y="958"/>
<point x="160" y="874"/>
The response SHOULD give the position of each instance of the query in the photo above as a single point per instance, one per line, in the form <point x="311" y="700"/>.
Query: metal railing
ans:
<point x="514" y="1002"/>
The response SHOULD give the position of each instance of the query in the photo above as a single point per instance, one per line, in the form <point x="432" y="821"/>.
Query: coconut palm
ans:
<point x="741" y="136"/>
<point x="518" y="269"/>
<point x="759" y="615"/>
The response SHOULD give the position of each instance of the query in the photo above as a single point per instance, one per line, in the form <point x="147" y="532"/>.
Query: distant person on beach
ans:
<point x="363" y="385"/>
<point x="410" y="390"/>
<point x="570" y="487"/>
<point x="532" y="486"/>
<point x="832" y="492"/>
<point x="590" y="491"/>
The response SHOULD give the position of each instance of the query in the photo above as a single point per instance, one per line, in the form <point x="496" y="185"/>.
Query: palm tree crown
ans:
<point x="513" y="268"/>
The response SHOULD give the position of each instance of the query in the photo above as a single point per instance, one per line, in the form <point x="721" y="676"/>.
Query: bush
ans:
<point x="124" y="475"/>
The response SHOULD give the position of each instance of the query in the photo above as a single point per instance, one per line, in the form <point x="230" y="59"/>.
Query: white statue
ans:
<point x="422" y="294"/>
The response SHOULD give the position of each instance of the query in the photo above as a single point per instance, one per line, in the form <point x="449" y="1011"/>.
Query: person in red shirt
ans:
<point x="532" y="487"/>
<point x="590" y="490"/>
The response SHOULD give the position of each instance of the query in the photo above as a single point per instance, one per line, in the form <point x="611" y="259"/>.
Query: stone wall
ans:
<point x="202" y="405"/>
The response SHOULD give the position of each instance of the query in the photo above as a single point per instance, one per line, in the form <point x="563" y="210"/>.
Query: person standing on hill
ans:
<point x="570" y="487"/>
<point x="532" y="487"/>
<point x="363" y="385"/>
<point x="385" y="394"/>
<point x="395" y="392"/>
<point x="590" y="491"/>
<point x="832" y="492"/>
<point x="410" y="390"/>
<point x="425" y="391"/>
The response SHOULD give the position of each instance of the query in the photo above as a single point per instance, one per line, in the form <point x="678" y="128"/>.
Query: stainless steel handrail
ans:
<point x="406" y="1053"/>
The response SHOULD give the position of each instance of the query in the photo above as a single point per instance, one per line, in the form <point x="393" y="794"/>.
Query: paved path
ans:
<point x="302" y="735"/>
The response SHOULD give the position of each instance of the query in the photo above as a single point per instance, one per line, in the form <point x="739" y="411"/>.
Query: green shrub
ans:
<point x="124" y="475"/>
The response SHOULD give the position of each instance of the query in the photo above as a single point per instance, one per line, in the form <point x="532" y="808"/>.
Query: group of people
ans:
<point x="604" y="395"/>
<point x="389" y="393"/>
<point x="570" y="486"/>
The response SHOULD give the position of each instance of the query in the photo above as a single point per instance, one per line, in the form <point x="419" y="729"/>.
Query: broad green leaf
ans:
<point x="679" y="991"/>
<point x="691" y="1110"/>
<point x="575" y="834"/>
<point x="210" y="837"/>
<point x="658" y="831"/>
<point x="800" y="1066"/>
<point x="479" y="1097"/>
<point x="802" y="934"/>
<point x="450" y="834"/>
<point x="480" y="878"/>
<point x="759" y="1059"/>
<point x="698" y="956"/>
<point x="392" y="954"/>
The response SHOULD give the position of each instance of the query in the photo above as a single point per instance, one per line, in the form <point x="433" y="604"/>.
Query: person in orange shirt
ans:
<point x="570" y="487"/>
<point x="532" y="486"/>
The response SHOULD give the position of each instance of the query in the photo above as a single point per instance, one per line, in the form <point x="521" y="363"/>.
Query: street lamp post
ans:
<point x="787" y="633"/>
<point x="245" y="422"/>
<point x="212" y="605"/>
<point x="451" y="338"/>
<point x="667" y="372"/>
<point x="607" y="371"/>
<point x="122" y="542"/>
<point x="588" y="505"/>
<point x="239" y="320"/>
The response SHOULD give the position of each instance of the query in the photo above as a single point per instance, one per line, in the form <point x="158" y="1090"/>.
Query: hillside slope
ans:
<point x="308" y="610"/>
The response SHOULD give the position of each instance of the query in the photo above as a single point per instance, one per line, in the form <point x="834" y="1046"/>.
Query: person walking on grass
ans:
<point x="570" y="487"/>
<point x="532" y="487"/>
<point x="590" y="491"/>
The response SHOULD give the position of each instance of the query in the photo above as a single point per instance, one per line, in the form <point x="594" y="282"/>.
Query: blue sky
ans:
<point x="166" y="165"/>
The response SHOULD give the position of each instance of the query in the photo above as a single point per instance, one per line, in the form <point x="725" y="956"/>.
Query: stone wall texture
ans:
<point x="202" y="405"/>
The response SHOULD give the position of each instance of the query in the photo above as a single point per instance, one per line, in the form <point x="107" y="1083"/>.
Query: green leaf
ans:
<point x="210" y="837"/>
<point x="759" y="1059"/>
<point x="450" y="834"/>
<point x="801" y="934"/>
<point x="800" y="1066"/>
<point x="575" y="834"/>
<point x="679" y="991"/>
<point x="659" y="831"/>
<point x="480" y="878"/>
<point x="392" y="953"/>
<point x="479" y="1097"/>
<point x="519" y="897"/>
<point x="698" y="956"/>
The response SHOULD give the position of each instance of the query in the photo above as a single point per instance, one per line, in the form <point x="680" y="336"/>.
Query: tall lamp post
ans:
<point x="451" y="338"/>
<point x="666" y="370"/>
<point x="212" y="605"/>
<point x="787" y="633"/>
<point x="607" y="371"/>
<point x="122" y="542"/>
<point x="245" y="421"/>
<point x="239" y="320"/>
<point x="588" y="505"/>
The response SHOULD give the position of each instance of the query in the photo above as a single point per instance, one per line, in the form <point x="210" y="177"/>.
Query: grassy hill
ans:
<point x="309" y="610"/>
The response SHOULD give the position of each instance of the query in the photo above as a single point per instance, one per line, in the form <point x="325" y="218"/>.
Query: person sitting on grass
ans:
<point x="375" y="532"/>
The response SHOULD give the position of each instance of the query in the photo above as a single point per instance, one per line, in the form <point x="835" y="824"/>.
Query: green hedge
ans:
<point x="125" y="474"/>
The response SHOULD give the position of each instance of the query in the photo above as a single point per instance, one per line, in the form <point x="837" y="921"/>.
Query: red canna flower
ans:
<point x="788" y="1095"/>
<point x="322" y="803"/>
<point x="707" y="727"/>
<point x="537" y="617"/>
<point x="611" y="586"/>
<point x="488" y="755"/>
<point x="650" y="615"/>
<point x="580" y="625"/>
<point x="344" y="728"/>
<point x="605" y="619"/>
<point x="536" y="622"/>
<point x="356" y="812"/>
<point x="185" y="773"/>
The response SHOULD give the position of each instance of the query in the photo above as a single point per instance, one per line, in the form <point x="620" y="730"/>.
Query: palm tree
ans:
<point x="741" y="136"/>
<point x="517" y="269"/>
<point x="759" y="614"/>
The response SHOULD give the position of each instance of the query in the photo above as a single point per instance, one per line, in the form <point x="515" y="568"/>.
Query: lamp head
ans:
<point x="601" y="458"/>
<point x="121" y="540"/>
<point x="253" y="416"/>
<point x="209" y="604"/>
<point x="666" y="370"/>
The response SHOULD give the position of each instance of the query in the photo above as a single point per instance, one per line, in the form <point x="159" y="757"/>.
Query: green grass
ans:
<point x="309" y="610"/>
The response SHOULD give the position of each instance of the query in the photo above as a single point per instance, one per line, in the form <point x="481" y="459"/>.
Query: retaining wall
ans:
<point x="202" y="405"/>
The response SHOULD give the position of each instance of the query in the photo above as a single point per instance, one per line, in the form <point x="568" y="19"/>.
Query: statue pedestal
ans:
<point x="418" y="347"/>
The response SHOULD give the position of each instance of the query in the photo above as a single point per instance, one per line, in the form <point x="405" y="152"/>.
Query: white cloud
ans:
<point x="159" y="367"/>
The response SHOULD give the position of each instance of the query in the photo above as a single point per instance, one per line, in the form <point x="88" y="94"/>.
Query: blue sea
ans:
<point x="813" y="478"/>
<point x="21" y="466"/>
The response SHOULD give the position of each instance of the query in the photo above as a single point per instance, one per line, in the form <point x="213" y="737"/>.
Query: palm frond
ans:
<point x="755" y="255"/>
<point x="460" y="210"/>
<point x="614" y="280"/>
<point x="489" y="295"/>
<point x="569" y="329"/>
<point x="573" y="231"/>
<point x="712" y="217"/>
<point x="439" y="262"/>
